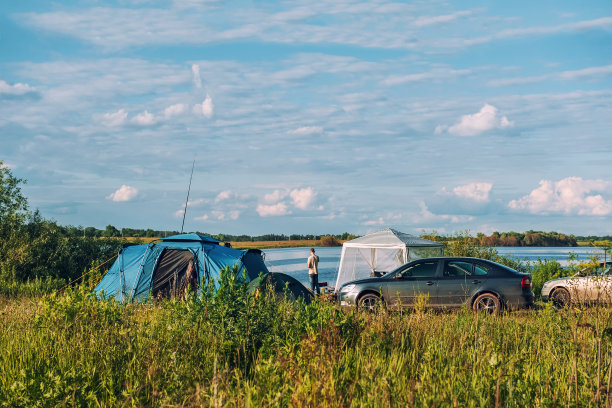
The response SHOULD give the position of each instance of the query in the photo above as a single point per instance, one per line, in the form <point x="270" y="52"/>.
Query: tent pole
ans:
<point x="187" y="200"/>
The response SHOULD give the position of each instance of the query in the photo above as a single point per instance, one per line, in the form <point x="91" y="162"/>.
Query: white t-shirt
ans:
<point x="313" y="265"/>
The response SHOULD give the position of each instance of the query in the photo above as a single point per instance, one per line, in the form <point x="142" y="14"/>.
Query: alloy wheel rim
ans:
<point x="561" y="299"/>
<point x="370" y="303"/>
<point x="486" y="305"/>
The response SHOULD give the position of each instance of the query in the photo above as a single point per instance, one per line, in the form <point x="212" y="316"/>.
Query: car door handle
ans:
<point x="475" y="281"/>
<point x="429" y="283"/>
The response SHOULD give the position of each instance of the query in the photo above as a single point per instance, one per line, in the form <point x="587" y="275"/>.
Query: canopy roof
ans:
<point x="381" y="252"/>
<point x="190" y="237"/>
<point x="390" y="238"/>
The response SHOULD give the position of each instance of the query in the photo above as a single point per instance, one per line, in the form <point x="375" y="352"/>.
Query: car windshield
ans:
<point x="601" y="270"/>
<point x="388" y="274"/>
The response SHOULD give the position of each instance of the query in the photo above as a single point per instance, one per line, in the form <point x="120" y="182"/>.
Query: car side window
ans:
<point x="480" y="270"/>
<point x="421" y="270"/>
<point x="456" y="269"/>
<point x="460" y="269"/>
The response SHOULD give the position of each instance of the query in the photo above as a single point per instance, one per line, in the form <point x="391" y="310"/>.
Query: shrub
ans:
<point x="544" y="270"/>
<point x="330" y="241"/>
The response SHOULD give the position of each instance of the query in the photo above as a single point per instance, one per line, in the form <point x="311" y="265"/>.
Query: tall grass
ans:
<point x="232" y="348"/>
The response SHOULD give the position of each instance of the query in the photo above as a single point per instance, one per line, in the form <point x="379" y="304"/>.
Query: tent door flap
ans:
<point x="176" y="269"/>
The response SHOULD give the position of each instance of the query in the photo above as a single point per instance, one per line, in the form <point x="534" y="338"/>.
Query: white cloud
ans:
<point x="436" y="74"/>
<point x="303" y="197"/>
<point x="7" y="166"/>
<point x="175" y="110"/>
<point x="274" y="196"/>
<point x="471" y="125"/>
<point x="586" y="72"/>
<point x="430" y="20"/>
<point x="279" y="201"/>
<point x="427" y="216"/>
<point x="578" y="74"/>
<point x="114" y="119"/>
<point x="206" y="108"/>
<point x="144" y="119"/>
<point x="224" y="195"/>
<point x="15" y="89"/>
<point x="272" y="210"/>
<point x="463" y="200"/>
<point x="197" y="81"/>
<point x="474" y="191"/>
<point x="196" y="202"/>
<point x="571" y="195"/>
<point x="225" y="216"/>
<point x="306" y="130"/>
<point x="124" y="193"/>
<point x="379" y="221"/>
<point x="201" y="218"/>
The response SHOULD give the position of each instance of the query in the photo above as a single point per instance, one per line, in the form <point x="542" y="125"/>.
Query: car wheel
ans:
<point x="487" y="303"/>
<point x="561" y="297"/>
<point x="370" y="302"/>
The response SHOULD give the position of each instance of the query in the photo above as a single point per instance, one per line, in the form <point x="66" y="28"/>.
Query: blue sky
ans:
<point x="310" y="116"/>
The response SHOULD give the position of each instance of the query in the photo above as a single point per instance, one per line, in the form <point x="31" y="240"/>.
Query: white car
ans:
<point x="590" y="285"/>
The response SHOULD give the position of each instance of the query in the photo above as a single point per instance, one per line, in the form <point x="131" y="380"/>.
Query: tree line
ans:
<point x="514" y="239"/>
<point x="113" y="232"/>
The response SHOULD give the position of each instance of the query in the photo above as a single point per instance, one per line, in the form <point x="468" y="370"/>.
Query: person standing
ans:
<point x="313" y="271"/>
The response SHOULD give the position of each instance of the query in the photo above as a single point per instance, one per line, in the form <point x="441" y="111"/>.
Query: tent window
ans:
<point x="175" y="271"/>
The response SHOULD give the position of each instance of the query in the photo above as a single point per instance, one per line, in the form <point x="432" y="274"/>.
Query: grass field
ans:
<point x="229" y="348"/>
<point x="226" y="347"/>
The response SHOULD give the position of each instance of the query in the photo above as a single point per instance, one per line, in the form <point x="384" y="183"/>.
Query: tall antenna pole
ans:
<point x="188" y="190"/>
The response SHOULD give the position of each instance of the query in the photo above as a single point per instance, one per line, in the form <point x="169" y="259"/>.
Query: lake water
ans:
<point x="292" y="261"/>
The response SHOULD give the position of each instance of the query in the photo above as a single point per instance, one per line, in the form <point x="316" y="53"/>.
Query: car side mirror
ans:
<point x="398" y="276"/>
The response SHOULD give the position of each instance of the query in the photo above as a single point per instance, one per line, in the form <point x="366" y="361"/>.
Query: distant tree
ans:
<point x="111" y="231"/>
<point x="330" y="241"/>
<point x="90" y="232"/>
<point x="13" y="204"/>
<point x="346" y="236"/>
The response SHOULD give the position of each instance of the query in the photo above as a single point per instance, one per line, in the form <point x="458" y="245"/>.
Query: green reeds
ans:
<point x="231" y="348"/>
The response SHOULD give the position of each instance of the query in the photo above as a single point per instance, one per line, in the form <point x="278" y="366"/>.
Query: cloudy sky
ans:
<point x="311" y="116"/>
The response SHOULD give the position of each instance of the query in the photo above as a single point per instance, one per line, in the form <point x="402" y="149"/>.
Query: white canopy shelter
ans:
<point x="381" y="252"/>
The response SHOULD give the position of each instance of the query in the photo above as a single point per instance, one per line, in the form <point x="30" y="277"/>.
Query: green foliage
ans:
<point x="232" y="348"/>
<point x="13" y="203"/>
<point x="36" y="249"/>
<point x="512" y="239"/>
<point x="37" y="255"/>
<point x="464" y="244"/>
<point x="36" y="287"/>
<point x="544" y="270"/>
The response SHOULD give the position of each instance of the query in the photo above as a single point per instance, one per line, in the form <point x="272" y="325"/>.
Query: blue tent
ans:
<point x="167" y="267"/>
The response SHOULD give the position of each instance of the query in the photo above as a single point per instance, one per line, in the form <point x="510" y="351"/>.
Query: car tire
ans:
<point x="370" y="302"/>
<point x="487" y="303"/>
<point x="561" y="298"/>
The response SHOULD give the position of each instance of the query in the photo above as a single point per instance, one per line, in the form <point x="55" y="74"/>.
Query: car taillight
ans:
<point x="526" y="282"/>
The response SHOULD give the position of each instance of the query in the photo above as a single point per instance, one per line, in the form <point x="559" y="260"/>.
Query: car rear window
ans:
<point x="501" y="269"/>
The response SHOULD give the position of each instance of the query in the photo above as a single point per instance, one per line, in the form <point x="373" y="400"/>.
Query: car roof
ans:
<point x="458" y="258"/>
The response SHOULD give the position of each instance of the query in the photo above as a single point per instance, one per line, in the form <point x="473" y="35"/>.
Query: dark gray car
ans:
<point x="446" y="283"/>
